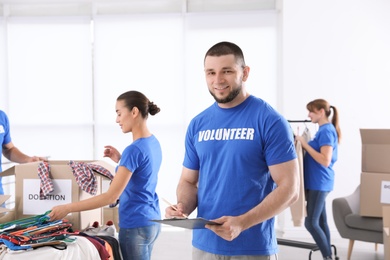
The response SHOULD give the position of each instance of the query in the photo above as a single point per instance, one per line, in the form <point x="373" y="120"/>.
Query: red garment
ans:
<point x="100" y="246"/>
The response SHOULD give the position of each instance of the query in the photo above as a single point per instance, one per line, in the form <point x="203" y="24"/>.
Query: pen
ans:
<point x="173" y="207"/>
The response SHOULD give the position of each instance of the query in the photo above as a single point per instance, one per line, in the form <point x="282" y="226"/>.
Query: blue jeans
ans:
<point x="316" y="222"/>
<point x="137" y="243"/>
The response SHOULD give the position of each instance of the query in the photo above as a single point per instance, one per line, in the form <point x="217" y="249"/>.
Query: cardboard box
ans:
<point x="374" y="193"/>
<point x="66" y="190"/>
<point x="375" y="150"/>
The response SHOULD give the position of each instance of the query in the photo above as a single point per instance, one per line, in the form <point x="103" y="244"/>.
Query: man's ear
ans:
<point x="245" y="73"/>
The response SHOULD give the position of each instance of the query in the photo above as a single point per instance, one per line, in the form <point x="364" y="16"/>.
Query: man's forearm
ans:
<point x="15" y="155"/>
<point x="187" y="195"/>
<point x="273" y="204"/>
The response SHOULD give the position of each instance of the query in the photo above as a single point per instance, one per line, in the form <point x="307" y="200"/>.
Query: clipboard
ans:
<point x="189" y="223"/>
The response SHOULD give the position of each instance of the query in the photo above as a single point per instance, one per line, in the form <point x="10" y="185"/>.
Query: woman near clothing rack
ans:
<point x="321" y="154"/>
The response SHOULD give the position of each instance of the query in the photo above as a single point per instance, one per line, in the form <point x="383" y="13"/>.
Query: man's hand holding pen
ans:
<point x="174" y="211"/>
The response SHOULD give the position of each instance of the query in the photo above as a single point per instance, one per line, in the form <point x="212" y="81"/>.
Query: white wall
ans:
<point x="338" y="50"/>
<point x="65" y="72"/>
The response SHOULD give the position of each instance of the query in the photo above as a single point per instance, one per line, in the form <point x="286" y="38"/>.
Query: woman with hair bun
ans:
<point x="321" y="154"/>
<point x="135" y="180"/>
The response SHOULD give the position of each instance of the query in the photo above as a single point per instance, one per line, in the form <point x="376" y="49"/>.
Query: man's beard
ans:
<point x="232" y="95"/>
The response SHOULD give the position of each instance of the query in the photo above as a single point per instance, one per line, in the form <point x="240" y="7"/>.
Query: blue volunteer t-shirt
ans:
<point x="317" y="176"/>
<point x="232" y="149"/>
<point x="139" y="201"/>
<point x="5" y="138"/>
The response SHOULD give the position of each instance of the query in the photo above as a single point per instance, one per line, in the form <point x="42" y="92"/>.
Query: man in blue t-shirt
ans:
<point x="240" y="167"/>
<point x="8" y="149"/>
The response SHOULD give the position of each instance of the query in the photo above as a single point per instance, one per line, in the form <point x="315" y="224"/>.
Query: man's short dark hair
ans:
<point x="226" y="48"/>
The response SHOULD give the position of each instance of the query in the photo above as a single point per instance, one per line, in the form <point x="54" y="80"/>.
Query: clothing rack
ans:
<point x="312" y="246"/>
<point x="304" y="121"/>
<point x="299" y="121"/>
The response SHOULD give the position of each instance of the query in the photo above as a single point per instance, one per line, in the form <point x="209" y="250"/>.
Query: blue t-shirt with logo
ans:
<point x="232" y="150"/>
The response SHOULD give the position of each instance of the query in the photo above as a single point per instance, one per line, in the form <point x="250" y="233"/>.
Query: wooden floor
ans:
<point x="175" y="243"/>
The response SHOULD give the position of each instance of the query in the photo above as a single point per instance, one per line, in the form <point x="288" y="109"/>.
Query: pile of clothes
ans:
<point x="36" y="231"/>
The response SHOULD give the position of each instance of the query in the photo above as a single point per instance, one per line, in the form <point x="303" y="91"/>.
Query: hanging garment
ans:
<point x="46" y="185"/>
<point x="85" y="175"/>
<point x="307" y="137"/>
<point x="298" y="209"/>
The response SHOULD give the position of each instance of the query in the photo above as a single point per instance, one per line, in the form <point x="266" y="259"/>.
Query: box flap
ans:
<point x="4" y="198"/>
<point x="9" y="172"/>
<point x="386" y="215"/>
<point x="106" y="165"/>
<point x="3" y="210"/>
<point x="375" y="136"/>
<point x="7" y="216"/>
<point x="375" y="150"/>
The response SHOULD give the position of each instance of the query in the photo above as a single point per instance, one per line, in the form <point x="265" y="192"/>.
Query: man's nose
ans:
<point x="220" y="77"/>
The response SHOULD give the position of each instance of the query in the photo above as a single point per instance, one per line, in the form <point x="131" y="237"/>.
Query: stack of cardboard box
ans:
<point x="375" y="176"/>
<point x="375" y="179"/>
